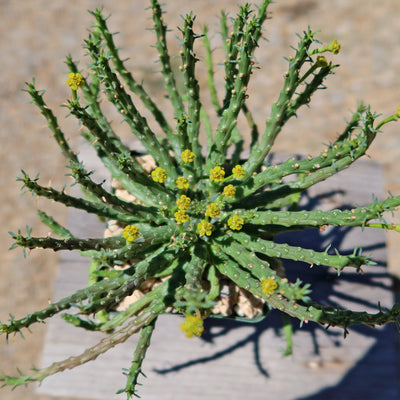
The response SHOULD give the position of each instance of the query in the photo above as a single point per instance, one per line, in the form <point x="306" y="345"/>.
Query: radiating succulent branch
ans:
<point x="359" y="216"/>
<point x="239" y="65"/>
<point x="101" y="209"/>
<point x="136" y="367"/>
<point x="79" y="297"/>
<point x="37" y="99"/>
<point x="160" y="30"/>
<point x="337" y="157"/>
<point x="189" y="60"/>
<point x="210" y="70"/>
<point x="285" y="251"/>
<point x="198" y="220"/>
<point x="134" y="86"/>
<point x="123" y="102"/>
<point x="91" y="92"/>
<point x="144" y="319"/>
<point x="311" y="311"/>
<point x="54" y="226"/>
<point x="83" y="178"/>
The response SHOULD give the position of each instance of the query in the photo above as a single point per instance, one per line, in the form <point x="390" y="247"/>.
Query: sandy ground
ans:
<point x="36" y="35"/>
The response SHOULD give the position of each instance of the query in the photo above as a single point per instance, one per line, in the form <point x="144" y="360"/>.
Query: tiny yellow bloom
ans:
<point x="269" y="286"/>
<point x="398" y="111"/>
<point x="159" y="175"/>
<point x="212" y="210"/>
<point x="181" y="182"/>
<point x="229" y="191"/>
<point x="130" y="233"/>
<point x="217" y="174"/>
<point x="183" y="202"/>
<point x="334" y="47"/>
<point x="193" y="325"/>
<point x="187" y="156"/>
<point x="238" y="172"/>
<point x="181" y="216"/>
<point x="322" y="62"/>
<point x="235" y="222"/>
<point x="204" y="228"/>
<point x="75" y="80"/>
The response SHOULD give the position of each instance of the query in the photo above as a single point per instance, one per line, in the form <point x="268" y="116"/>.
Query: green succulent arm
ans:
<point x="304" y="312"/>
<point x="101" y="209"/>
<point x="143" y="319"/>
<point x="246" y="46"/>
<point x="134" y="86"/>
<point x="358" y="216"/>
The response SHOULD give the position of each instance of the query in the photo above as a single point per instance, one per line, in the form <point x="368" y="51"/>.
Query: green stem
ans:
<point x="359" y="216"/>
<point x="210" y="70"/>
<point x="103" y="196"/>
<point x="37" y="99"/>
<point x="169" y="78"/>
<point x="134" y="308"/>
<point x="311" y="312"/>
<point x="138" y="358"/>
<point x="283" y="250"/>
<point x="394" y="117"/>
<point x="123" y="102"/>
<point x="127" y="76"/>
<point x="120" y="336"/>
<point x="100" y="209"/>
<point x="91" y="92"/>
<point x="192" y="93"/>
<point x="284" y="108"/>
<point x="244" y="46"/>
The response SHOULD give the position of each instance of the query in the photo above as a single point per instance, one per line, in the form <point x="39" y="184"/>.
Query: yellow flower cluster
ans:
<point x="183" y="202"/>
<point x="193" y="325"/>
<point x="212" y="210"/>
<point x="269" y="286"/>
<point x="159" y="175"/>
<point x="187" y="156"/>
<point x="229" y="191"/>
<point x="204" y="228"/>
<point x="235" y="222"/>
<point x="217" y="174"/>
<point x="334" y="47"/>
<point x="322" y="62"/>
<point x="238" y="172"/>
<point x="181" y="216"/>
<point x="75" y="80"/>
<point x="181" y="182"/>
<point x="130" y="233"/>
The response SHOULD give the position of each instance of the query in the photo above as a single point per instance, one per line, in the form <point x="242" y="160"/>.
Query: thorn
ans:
<point x="346" y="332"/>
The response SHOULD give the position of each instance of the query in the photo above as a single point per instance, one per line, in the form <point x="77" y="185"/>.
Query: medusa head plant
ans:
<point x="198" y="219"/>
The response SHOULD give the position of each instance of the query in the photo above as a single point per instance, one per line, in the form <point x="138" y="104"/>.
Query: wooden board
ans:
<point x="244" y="361"/>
